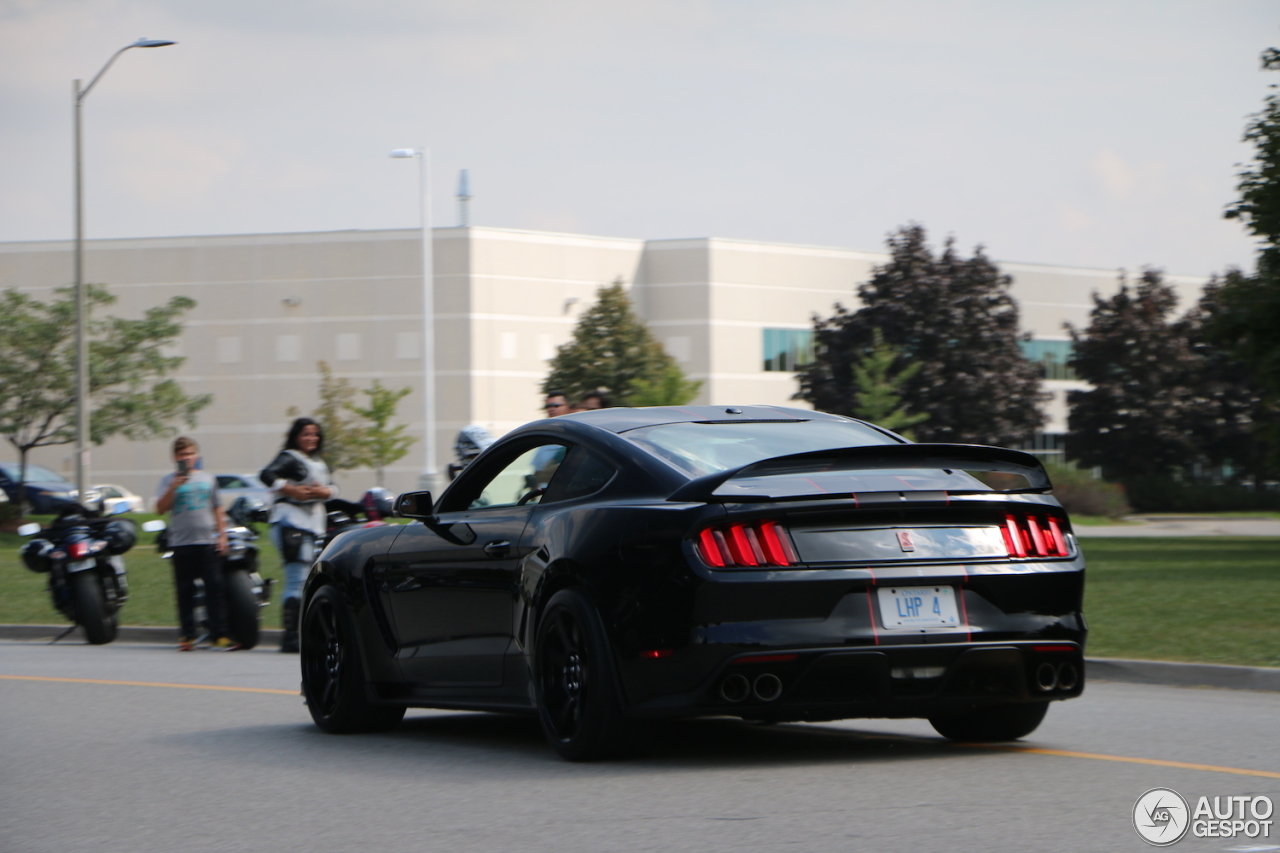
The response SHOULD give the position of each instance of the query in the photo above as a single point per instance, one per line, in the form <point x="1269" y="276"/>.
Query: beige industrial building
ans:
<point x="736" y="314"/>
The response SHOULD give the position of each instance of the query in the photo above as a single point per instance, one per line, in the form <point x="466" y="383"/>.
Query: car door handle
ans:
<point x="498" y="548"/>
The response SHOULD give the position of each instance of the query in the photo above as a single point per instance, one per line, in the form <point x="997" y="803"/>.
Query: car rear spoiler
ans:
<point x="947" y="457"/>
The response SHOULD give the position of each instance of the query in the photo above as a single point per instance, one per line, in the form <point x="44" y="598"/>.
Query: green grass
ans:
<point x="24" y="599"/>
<point x="1210" y="599"/>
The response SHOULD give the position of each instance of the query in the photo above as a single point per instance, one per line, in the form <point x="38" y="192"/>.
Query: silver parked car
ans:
<point x="232" y="486"/>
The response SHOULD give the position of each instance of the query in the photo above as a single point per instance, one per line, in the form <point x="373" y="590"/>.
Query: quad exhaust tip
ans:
<point x="1068" y="676"/>
<point x="1046" y="677"/>
<point x="735" y="688"/>
<point x="767" y="687"/>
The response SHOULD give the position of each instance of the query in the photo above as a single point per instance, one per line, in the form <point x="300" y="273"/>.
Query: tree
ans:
<point x="878" y="388"/>
<point x="954" y="318"/>
<point x="131" y="392"/>
<point x="613" y="349"/>
<point x="1248" y="320"/>
<point x="344" y="436"/>
<point x="383" y="444"/>
<point x="1135" y="420"/>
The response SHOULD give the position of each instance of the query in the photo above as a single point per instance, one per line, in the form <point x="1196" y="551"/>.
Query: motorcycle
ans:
<point x="82" y="552"/>
<point x="245" y="591"/>
<point x="340" y="515"/>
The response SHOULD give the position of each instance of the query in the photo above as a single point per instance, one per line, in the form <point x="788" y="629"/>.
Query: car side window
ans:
<point x="583" y="473"/>
<point x="522" y="480"/>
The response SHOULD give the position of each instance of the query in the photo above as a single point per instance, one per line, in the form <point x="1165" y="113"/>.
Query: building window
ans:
<point x="1050" y="446"/>
<point x="349" y="346"/>
<point x="288" y="347"/>
<point x="787" y="350"/>
<point x="228" y="350"/>
<point x="1052" y="357"/>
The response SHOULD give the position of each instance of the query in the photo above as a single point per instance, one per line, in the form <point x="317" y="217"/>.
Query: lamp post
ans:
<point x="82" y="342"/>
<point x="429" y="473"/>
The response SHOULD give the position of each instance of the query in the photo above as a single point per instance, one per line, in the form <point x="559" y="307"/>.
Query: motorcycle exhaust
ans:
<point x="1068" y="676"/>
<point x="1046" y="677"/>
<point x="735" y="688"/>
<point x="767" y="687"/>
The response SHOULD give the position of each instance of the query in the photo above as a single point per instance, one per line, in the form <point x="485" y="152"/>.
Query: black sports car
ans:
<point x="618" y="565"/>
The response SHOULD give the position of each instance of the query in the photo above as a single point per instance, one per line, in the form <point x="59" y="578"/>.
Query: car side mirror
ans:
<point x="416" y="505"/>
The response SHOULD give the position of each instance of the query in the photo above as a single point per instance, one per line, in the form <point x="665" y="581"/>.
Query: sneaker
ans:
<point x="186" y="644"/>
<point x="225" y="644"/>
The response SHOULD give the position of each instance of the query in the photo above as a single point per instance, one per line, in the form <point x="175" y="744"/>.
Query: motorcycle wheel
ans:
<point x="242" y="609"/>
<point x="91" y="608"/>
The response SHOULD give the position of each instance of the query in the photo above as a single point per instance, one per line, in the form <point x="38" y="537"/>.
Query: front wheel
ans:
<point x="242" y="608"/>
<point x="989" y="725"/>
<point x="332" y="675"/>
<point x="579" y="701"/>
<point x="90" y="603"/>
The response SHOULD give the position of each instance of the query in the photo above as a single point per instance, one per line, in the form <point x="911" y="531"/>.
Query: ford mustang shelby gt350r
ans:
<point x="618" y="565"/>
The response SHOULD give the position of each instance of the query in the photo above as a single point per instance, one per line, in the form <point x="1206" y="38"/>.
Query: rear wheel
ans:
<point x="332" y="675"/>
<point x="579" y="701"/>
<point x="987" y="725"/>
<point x="91" y="608"/>
<point x="242" y="608"/>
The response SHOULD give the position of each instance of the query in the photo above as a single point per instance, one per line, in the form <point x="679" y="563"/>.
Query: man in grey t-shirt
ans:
<point x="197" y="535"/>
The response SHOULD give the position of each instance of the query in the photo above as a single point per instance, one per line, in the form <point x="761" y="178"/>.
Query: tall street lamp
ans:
<point x="82" y="342"/>
<point x="429" y="472"/>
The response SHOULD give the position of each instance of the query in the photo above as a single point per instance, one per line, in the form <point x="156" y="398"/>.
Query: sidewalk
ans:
<point x="1170" y="526"/>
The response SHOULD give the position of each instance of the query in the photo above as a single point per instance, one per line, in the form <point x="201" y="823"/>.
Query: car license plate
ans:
<point x="918" y="607"/>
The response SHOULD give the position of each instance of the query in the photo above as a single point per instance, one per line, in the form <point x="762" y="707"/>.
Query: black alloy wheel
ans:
<point x="579" y="701"/>
<point x="332" y="677"/>
<point x="242" y="608"/>
<point x="90" y="602"/>
<point x="990" y="725"/>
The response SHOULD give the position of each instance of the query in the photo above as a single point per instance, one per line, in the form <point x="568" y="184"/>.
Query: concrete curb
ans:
<point x="126" y="634"/>
<point x="1183" y="674"/>
<point x="1099" y="669"/>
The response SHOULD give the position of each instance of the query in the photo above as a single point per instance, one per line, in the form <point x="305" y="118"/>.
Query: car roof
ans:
<point x="619" y="420"/>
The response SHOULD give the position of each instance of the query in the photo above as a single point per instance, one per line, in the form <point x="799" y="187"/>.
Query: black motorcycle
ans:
<point x="82" y="553"/>
<point x="374" y="506"/>
<point x="245" y="590"/>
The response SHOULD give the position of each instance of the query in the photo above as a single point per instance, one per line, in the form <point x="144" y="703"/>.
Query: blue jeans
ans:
<point x="296" y="572"/>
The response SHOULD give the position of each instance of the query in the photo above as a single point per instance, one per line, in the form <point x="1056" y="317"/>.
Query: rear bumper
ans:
<point x="886" y="681"/>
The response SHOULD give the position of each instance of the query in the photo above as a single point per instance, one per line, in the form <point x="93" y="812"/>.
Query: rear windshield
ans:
<point x="699" y="449"/>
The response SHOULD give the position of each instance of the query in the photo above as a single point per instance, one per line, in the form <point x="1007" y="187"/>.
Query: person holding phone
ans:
<point x="301" y="482"/>
<point x="198" y="536"/>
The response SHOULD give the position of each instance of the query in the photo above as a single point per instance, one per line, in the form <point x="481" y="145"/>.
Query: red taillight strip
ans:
<point x="1059" y="541"/>
<point x="757" y="543"/>
<point x="1060" y="648"/>
<point x="1033" y="536"/>
<point x="709" y="549"/>
<point x="1013" y="537"/>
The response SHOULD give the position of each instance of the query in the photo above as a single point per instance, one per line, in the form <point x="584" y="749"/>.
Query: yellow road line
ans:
<point x="1092" y="756"/>
<point x="151" y="684"/>
<point x="1157" y="762"/>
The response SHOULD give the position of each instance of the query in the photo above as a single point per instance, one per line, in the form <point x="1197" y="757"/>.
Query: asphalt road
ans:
<point x="87" y="765"/>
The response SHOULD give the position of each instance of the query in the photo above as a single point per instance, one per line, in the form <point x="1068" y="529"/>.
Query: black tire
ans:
<point x="242" y="608"/>
<point x="91" y="608"/>
<point x="989" y="725"/>
<point x="332" y="675"/>
<point x="579" y="700"/>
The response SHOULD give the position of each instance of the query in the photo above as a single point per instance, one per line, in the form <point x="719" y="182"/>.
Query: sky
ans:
<point x="1099" y="134"/>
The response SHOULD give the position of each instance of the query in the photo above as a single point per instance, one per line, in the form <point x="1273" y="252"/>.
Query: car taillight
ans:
<point x="758" y="543"/>
<point x="1034" y="536"/>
